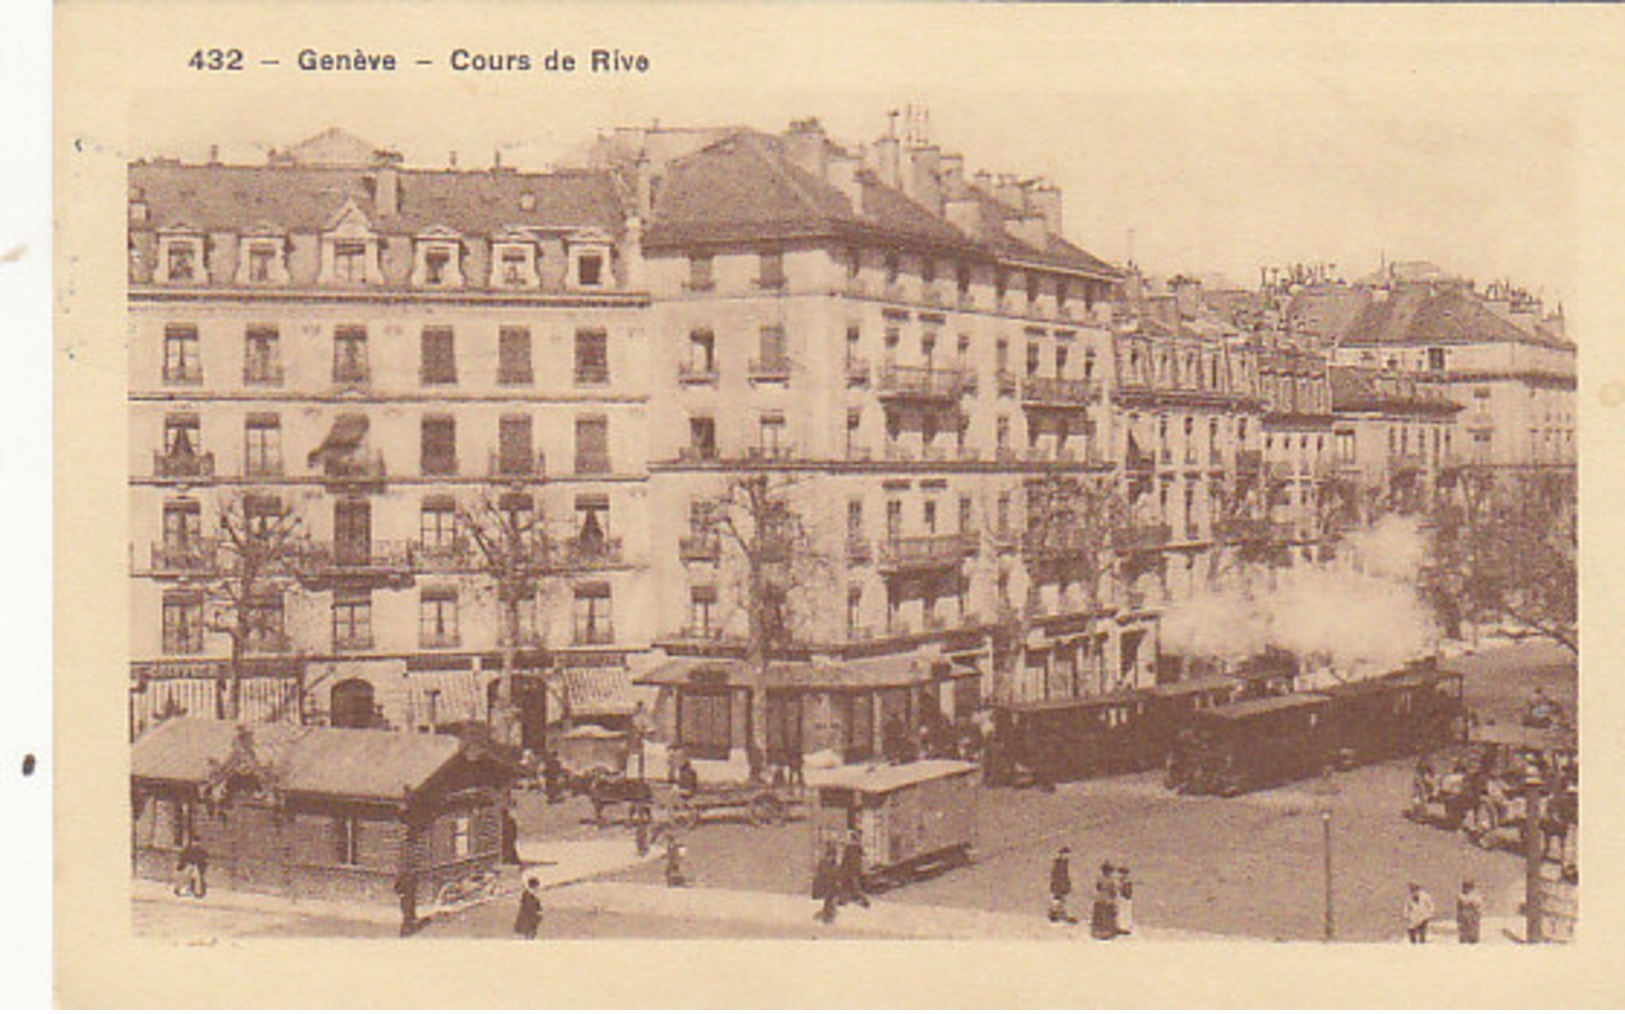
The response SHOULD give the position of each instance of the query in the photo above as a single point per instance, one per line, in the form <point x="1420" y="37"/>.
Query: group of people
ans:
<point x="838" y="877"/>
<point x="1420" y="912"/>
<point x="1112" y="913"/>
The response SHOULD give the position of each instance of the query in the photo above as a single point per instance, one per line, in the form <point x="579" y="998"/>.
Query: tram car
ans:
<point x="914" y="819"/>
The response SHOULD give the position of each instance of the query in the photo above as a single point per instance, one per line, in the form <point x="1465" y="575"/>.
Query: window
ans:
<point x="350" y="261"/>
<point x="854" y="337"/>
<point x="439" y="445"/>
<point x="182" y="362"/>
<point x="437" y="618"/>
<point x="352" y="618"/>
<point x="518" y="512"/>
<point x="183" y="524"/>
<point x="260" y="258"/>
<point x="894" y="268"/>
<point x="854" y="420"/>
<point x="702" y="437"/>
<point x="352" y="532"/>
<point x="182" y="261"/>
<point x="515" y="455"/>
<point x="770" y="270"/>
<point x="702" y="352"/>
<point x="592" y="445"/>
<point x="964" y="515"/>
<point x="515" y="268"/>
<point x="894" y="520"/>
<point x="590" y="270"/>
<point x="262" y="445"/>
<point x="347" y="841"/>
<point x="854" y="262"/>
<point x="1002" y="434"/>
<point x="266" y="630"/>
<point x="930" y="517"/>
<point x="1345" y="448"/>
<point x="700" y="274"/>
<point x="702" y="604"/>
<point x="592" y="523"/>
<point x="592" y="614"/>
<point x="1001" y="283"/>
<point x="775" y="357"/>
<point x="773" y="442"/>
<point x="437" y="525"/>
<point x="1436" y="360"/>
<point x="854" y="518"/>
<point x="181" y="440"/>
<point x="513" y="356"/>
<point x="928" y="270"/>
<point x="592" y="356"/>
<point x="1032" y="287"/>
<point x="962" y="277"/>
<point x="262" y="355"/>
<point x="183" y="623"/>
<point x="439" y="364"/>
<point x="854" y="611"/>
<point x="262" y="513"/>
<point x="1004" y="514"/>
<point x="462" y="836"/>
<point x="1061" y="292"/>
<point x="436" y="263"/>
<point x="350" y="355"/>
<point x="1032" y="359"/>
<point x="928" y="348"/>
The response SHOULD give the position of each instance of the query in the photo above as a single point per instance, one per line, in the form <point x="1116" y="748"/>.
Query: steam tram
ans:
<point x="1046" y="742"/>
<point x="1230" y="733"/>
<point x="1248" y="745"/>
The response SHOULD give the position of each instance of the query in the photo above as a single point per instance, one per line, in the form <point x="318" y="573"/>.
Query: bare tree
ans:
<point x="1071" y="523"/>
<point x="259" y="550"/>
<point x="779" y="555"/>
<point x="511" y="546"/>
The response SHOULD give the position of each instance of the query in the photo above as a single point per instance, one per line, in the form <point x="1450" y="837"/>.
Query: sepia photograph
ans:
<point x="566" y="503"/>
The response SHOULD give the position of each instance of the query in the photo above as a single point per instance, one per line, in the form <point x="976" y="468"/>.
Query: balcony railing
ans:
<point x="357" y="467"/>
<point x="440" y="557"/>
<point x="923" y="382"/>
<point x="262" y="467"/>
<point x="937" y="294"/>
<point x="598" y="633"/>
<point x="705" y="547"/>
<point x="772" y="452"/>
<point x="603" y="551"/>
<point x="442" y="639"/>
<point x="774" y="368"/>
<point x="857" y="370"/>
<point x="184" y="557"/>
<point x="183" y="464"/>
<point x="1141" y="537"/>
<point x="523" y="638"/>
<point x="1053" y="544"/>
<point x="934" y="451"/>
<point x="1008" y="383"/>
<point x="697" y="373"/>
<point x="381" y="555"/>
<point x="592" y="464"/>
<point x="263" y="374"/>
<point x="268" y="642"/>
<point x="697" y="452"/>
<point x="1058" y="391"/>
<point x="858" y="550"/>
<point x="517" y="466"/>
<point x="701" y="632"/>
<point x="859" y="452"/>
<point x="922" y="551"/>
<point x="1242" y="530"/>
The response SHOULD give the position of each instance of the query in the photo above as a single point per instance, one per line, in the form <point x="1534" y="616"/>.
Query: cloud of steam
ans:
<point x="1361" y="615"/>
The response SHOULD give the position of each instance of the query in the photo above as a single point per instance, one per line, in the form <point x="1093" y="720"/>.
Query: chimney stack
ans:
<point x="843" y="175"/>
<point x="387" y="196"/>
<point x="922" y="181"/>
<point x="807" y="147"/>
<point x="884" y="158"/>
<point x="1044" y="200"/>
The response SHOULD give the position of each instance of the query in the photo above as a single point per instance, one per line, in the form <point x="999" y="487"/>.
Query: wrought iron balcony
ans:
<point x="384" y="556"/>
<point x="359" y="467"/>
<point x="775" y="368"/>
<point x="1053" y="545"/>
<point x="923" y="383"/>
<point x="704" y="547"/>
<point x="697" y="452"/>
<point x="268" y="642"/>
<point x="439" y="639"/>
<point x="1008" y="383"/>
<point x="603" y="551"/>
<point x="192" y="557"/>
<point x="1058" y="391"/>
<point x="517" y="466"/>
<point x="857" y="370"/>
<point x="697" y="373"/>
<point x="859" y="550"/>
<point x="183" y="464"/>
<point x="594" y="633"/>
<point x="592" y="464"/>
<point x="442" y="556"/>
<point x="918" y="552"/>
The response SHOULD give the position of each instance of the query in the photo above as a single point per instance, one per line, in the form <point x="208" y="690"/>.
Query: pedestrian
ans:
<point x="688" y="779"/>
<point x="675" y="853"/>
<point x="553" y="780"/>
<point x="1418" y="913"/>
<point x="852" y="869"/>
<point x="193" y="865"/>
<point x="406" y="889"/>
<point x="1103" y="916"/>
<point x="641" y="819"/>
<point x="1469" y="913"/>
<point x="529" y="919"/>
<point x="1125" y="901"/>
<point x="1060" y="886"/>
<point x="826" y="885"/>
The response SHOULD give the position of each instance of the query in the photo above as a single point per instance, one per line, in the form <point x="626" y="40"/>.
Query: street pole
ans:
<point x="1534" y="848"/>
<point x="1326" y="835"/>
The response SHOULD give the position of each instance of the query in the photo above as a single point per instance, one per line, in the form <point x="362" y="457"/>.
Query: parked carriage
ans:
<point x="913" y="819"/>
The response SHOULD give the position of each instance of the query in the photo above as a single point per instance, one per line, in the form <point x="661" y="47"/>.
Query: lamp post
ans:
<point x="1330" y="928"/>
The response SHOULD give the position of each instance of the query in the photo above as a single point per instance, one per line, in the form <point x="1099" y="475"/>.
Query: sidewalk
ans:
<point x="882" y="919"/>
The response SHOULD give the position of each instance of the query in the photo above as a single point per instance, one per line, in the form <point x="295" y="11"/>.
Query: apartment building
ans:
<point x="376" y="357"/>
<point x="1394" y="440"/>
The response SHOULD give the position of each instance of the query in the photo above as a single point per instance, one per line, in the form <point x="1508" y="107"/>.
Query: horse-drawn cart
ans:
<point x="760" y="805"/>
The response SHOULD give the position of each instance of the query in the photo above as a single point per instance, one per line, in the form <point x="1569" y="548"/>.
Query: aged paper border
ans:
<point x="106" y="52"/>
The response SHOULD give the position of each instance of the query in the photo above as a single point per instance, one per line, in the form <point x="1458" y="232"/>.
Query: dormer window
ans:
<point x="439" y="261"/>
<point x="589" y="252"/>
<point x="261" y="261"/>
<point x="349" y="249"/>
<point x="350" y="261"/>
<point x="180" y="259"/>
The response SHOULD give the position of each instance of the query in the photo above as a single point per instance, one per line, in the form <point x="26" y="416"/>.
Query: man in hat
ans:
<point x="1060" y="886"/>
<point x="826" y="885"/>
<point x="852" y="869"/>
<point x="1469" y="912"/>
<point x="1125" y="901"/>
<point x="1418" y="913"/>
